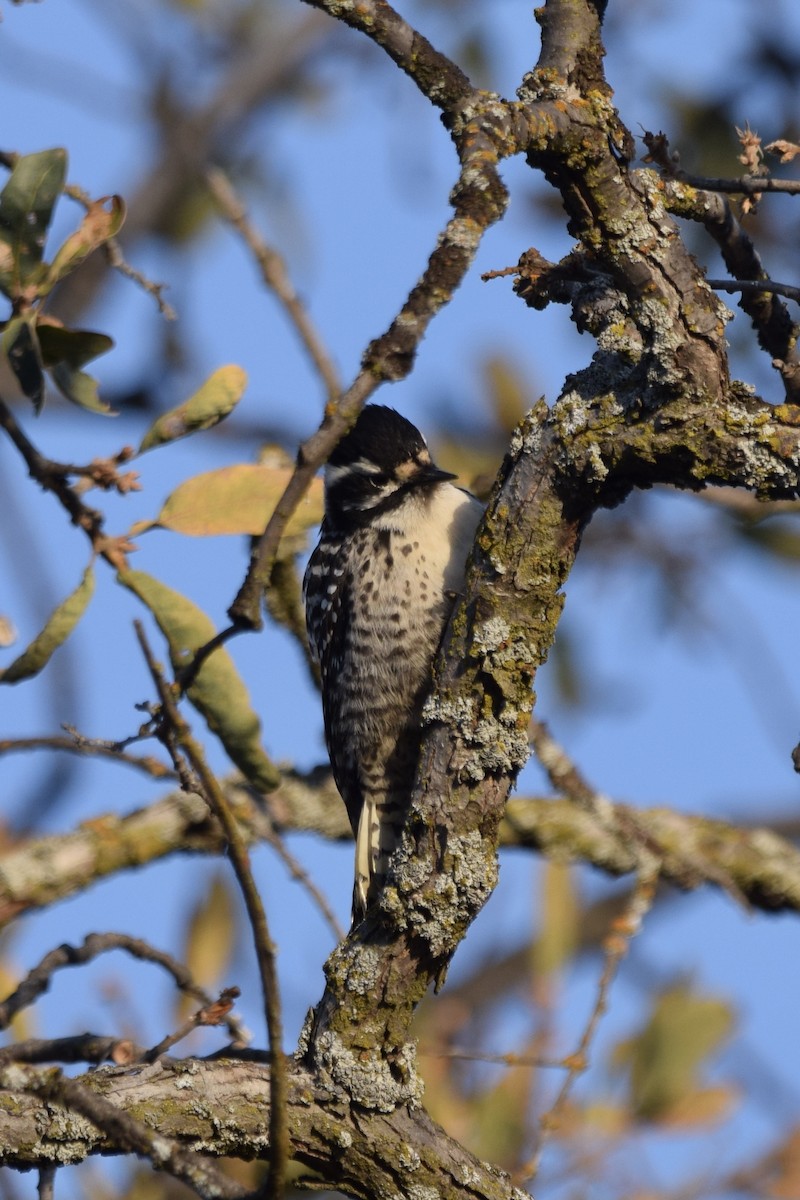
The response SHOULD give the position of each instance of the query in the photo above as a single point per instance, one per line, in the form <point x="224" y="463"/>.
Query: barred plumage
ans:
<point x="379" y="589"/>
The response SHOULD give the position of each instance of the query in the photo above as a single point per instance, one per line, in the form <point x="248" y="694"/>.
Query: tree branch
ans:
<point x="225" y="1111"/>
<point x="117" y="1128"/>
<point x="693" y="850"/>
<point x="777" y="332"/>
<point x="655" y="405"/>
<point x="484" y="130"/>
<point x="178" y="738"/>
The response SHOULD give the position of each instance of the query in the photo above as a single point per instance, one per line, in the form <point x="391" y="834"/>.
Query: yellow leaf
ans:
<point x="103" y="220"/>
<point x="234" y="500"/>
<point x="58" y="628"/>
<point x="559" y="930"/>
<point x="508" y="391"/>
<point x="210" y="938"/>
<point x="703" y="1106"/>
<point x="209" y="405"/>
<point x="218" y="692"/>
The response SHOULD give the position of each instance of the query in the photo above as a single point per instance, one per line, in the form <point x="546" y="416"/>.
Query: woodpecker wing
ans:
<point x="328" y="592"/>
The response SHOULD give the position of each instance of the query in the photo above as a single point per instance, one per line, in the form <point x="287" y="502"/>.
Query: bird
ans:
<point x="379" y="590"/>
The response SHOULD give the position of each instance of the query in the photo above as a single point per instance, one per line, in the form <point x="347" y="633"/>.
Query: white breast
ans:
<point x="439" y="524"/>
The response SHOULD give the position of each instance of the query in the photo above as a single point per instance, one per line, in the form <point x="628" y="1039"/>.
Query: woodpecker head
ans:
<point x="380" y="464"/>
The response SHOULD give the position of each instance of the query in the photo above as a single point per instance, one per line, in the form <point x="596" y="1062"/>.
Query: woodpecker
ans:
<point x="379" y="589"/>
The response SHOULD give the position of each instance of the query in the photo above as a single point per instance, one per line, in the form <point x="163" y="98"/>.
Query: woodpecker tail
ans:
<point x="376" y="838"/>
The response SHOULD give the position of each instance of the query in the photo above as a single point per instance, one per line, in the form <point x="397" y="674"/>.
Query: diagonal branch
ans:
<point x="177" y="736"/>
<point x="276" y="277"/>
<point x="436" y="76"/>
<point x="484" y="131"/>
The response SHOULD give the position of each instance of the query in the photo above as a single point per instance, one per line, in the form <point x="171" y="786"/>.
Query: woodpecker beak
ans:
<point x="430" y="473"/>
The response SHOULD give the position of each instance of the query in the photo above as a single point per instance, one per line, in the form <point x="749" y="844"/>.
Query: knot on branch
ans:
<point x="374" y="1082"/>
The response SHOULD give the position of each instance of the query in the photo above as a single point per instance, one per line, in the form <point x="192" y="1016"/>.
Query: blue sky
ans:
<point x="703" y="719"/>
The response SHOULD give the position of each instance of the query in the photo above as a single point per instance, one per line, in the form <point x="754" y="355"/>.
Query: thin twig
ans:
<point x="209" y="1014"/>
<point x="116" y="259"/>
<point x="744" y="185"/>
<point x="755" y="285"/>
<point x="177" y="736"/>
<point x="78" y="744"/>
<point x="500" y="1060"/>
<point x="47" y="1178"/>
<point x="563" y="773"/>
<point x="52" y="476"/>
<point x="38" y="980"/>
<point x="276" y="277"/>
<point x="616" y="946"/>
<point x="298" y="872"/>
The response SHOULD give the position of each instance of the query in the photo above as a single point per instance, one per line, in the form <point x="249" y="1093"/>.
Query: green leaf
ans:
<point x="218" y="692"/>
<point x="22" y="357"/>
<point x="664" y="1059"/>
<point x="80" y="388"/>
<point x="234" y="500"/>
<point x="58" y="628"/>
<point x="26" y="208"/>
<point x="75" y="347"/>
<point x="774" y="537"/>
<point x="218" y="396"/>
<point x="103" y="220"/>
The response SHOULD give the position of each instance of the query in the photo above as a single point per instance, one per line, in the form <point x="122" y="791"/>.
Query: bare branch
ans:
<point x="124" y="1132"/>
<point x="77" y="743"/>
<point x="615" y="948"/>
<point x="276" y="277"/>
<point x="82" y="1048"/>
<point x="437" y="76"/>
<point x="37" y="981"/>
<point x="178" y="739"/>
<point x="756" y="285"/>
<point x="361" y="1153"/>
<point x="297" y="872"/>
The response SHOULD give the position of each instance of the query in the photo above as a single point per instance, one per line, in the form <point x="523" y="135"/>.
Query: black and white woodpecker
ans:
<point x="379" y="590"/>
